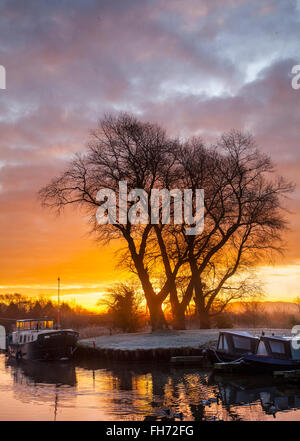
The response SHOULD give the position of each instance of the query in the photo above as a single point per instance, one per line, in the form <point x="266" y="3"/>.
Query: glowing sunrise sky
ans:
<point x="193" y="66"/>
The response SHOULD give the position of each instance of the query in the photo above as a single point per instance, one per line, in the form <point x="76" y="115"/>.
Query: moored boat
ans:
<point x="40" y="340"/>
<point x="232" y="345"/>
<point x="275" y="353"/>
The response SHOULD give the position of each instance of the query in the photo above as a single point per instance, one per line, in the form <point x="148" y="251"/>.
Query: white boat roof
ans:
<point x="282" y="337"/>
<point x="239" y="333"/>
<point x="45" y="331"/>
<point x="35" y="320"/>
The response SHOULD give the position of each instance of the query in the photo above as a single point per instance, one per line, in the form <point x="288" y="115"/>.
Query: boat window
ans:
<point x="242" y="343"/>
<point x="277" y="347"/>
<point x="261" y="350"/>
<point x="295" y="348"/>
<point x="223" y="346"/>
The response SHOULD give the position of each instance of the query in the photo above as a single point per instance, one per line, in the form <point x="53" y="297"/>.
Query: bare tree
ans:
<point x="244" y="219"/>
<point x="244" y="223"/>
<point x="121" y="149"/>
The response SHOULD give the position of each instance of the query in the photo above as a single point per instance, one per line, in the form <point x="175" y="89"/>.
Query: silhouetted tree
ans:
<point x="124" y="307"/>
<point x="243" y="220"/>
<point x="243" y="215"/>
<point x="120" y="149"/>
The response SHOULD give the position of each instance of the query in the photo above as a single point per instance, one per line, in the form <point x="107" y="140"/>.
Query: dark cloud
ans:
<point x="196" y="67"/>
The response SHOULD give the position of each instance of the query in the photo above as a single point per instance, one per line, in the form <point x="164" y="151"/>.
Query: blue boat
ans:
<point x="232" y="345"/>
<point x="275" y="353"/>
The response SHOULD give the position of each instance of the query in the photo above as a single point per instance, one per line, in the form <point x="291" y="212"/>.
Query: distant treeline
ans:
<point x="18" y="306"/>
<point x="261" y="315"/>
<point x="124" y="312"/>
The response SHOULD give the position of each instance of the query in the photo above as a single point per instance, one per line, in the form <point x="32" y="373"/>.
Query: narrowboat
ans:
<point x="232" y="345"/>
<point x="40" y="340"/>
<point x="274" y="353"/>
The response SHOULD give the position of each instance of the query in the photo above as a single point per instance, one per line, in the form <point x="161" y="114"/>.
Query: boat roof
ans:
<point x="50" y="331"/>
<point x="239" y="333"/>
<point x="36" y="320"/>
<point x="281" y="337"/>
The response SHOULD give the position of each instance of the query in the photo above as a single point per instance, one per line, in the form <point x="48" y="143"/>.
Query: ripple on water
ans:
<point x="68" y="391"/>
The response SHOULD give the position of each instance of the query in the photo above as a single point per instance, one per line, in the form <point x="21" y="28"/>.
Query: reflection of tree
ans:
<point x="198" y="412"/>
<point x="135" y="391"/>
<point x="160" y="387"/>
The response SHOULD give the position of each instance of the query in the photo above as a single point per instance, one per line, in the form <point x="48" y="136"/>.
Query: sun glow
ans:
<point x="280" y="283"/>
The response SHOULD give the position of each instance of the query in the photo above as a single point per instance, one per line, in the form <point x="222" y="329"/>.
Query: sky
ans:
<point x="197" y="67"/>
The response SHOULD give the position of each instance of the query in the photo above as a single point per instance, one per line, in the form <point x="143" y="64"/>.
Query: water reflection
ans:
<point x="272" y="396"/>
<point x="97" y="391"/>
<point x="38" y="372"/>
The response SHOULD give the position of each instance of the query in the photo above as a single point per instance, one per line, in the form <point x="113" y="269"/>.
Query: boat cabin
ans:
<point x="32" y="324"/>
<point x="27" y="330"/>
<point x="284" y="348"/>
<point x="40" y="339"/>
<point x="236" y="343"/>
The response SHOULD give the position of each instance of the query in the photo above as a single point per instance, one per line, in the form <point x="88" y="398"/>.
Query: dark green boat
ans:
<point x="39" y="339"/>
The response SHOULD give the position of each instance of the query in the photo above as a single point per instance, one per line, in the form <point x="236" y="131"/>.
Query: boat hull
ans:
<point x="256" y="363"/>
<point x="48" y="346"/>
<point x="216" y="356"/>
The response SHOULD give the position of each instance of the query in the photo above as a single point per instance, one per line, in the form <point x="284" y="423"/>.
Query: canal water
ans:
<point x="91" y="391"/>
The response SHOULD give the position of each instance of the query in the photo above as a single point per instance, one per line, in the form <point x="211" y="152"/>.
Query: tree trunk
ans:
<point x="157" y="317"/>
<point x="178" y="321"/>
<point x="179" y="309"/>
<point x="204" y="319"/>
<point x="201" y="307"/>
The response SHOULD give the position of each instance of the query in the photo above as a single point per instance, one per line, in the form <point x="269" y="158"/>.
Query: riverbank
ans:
<point x="161" y="345"/>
